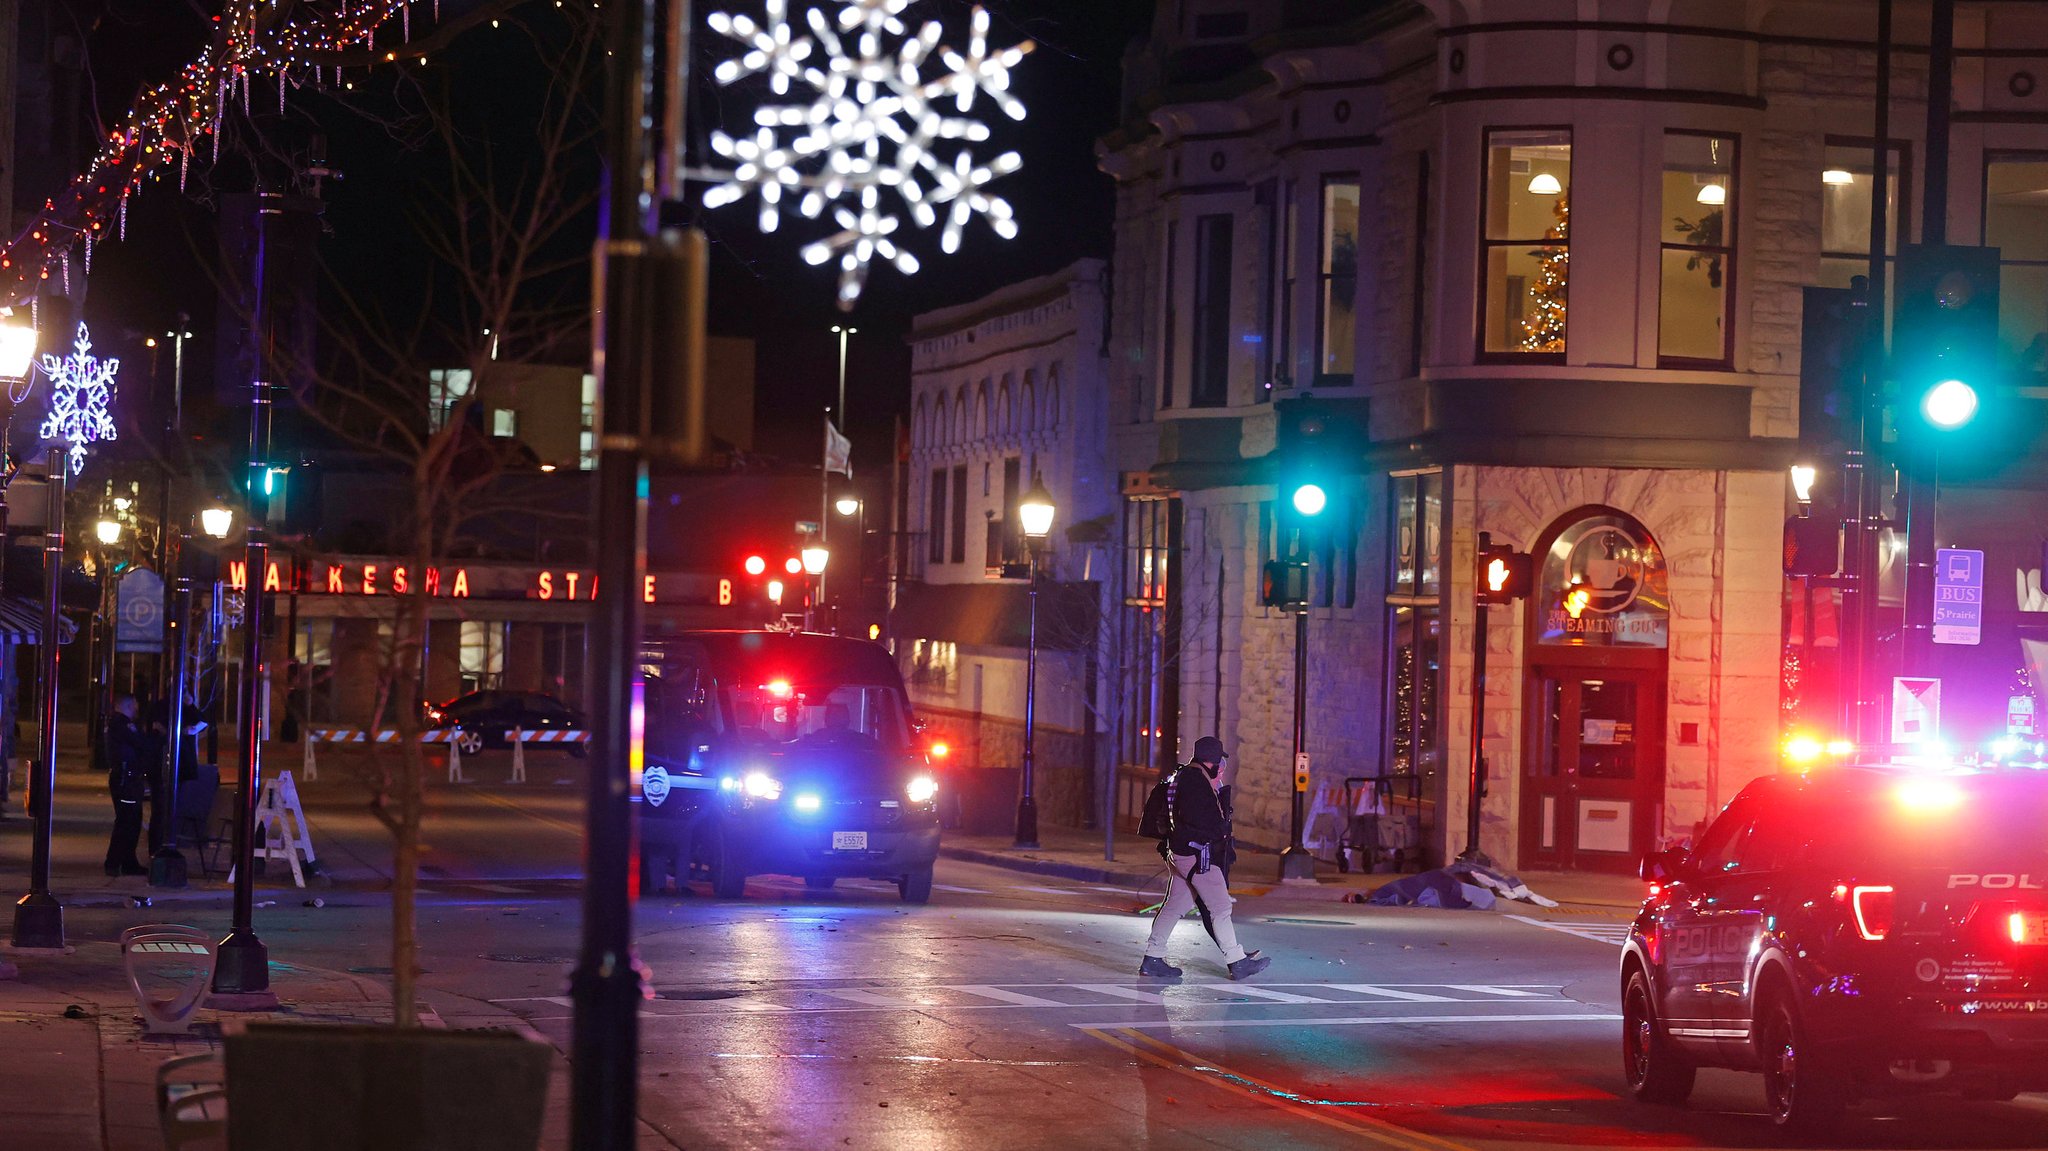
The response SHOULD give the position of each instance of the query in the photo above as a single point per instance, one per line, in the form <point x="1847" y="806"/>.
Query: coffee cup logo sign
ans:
<point x="1603" y="584"/>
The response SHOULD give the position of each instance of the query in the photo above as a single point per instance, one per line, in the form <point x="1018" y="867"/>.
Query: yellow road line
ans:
<point x="1172" y="1058"/>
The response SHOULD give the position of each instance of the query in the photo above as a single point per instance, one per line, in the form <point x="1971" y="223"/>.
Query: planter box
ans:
<point x="313" y="1087"/>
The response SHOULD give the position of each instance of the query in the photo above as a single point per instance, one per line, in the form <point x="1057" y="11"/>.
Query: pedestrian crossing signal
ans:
<point x="1505" y="575"/>
<point x="1284" y="584"/>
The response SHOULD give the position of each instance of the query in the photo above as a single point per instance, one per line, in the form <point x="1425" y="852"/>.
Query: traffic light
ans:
<point x="1284" y="584"/>
<point x="1505" y="575"/>
<point x="1317" y="444"/>
<point x="1945" y="336"/>
<point x="1813" y="547"/>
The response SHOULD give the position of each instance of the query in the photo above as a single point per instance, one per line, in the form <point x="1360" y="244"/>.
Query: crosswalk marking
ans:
<point x="1124" y="992"/>
<point x="856" y="995"/>
<point x="1598" y="931"/>
<point x="1391" y="993"/>
<point x="1355" y="1020"/>
<point x="1004" y="995"/>
<point x="1218" y="996"/>
<point x="1275" y="996"/>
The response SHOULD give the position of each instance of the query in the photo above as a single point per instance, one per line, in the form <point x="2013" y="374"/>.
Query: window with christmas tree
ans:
<point x="1698" y="249"/>
<point x="1526" y="242"/>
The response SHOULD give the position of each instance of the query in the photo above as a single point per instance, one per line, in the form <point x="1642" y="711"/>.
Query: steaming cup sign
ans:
<point x="1602" y="584"/>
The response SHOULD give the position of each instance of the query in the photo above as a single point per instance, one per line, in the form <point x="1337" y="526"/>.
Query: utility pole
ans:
<point x="648" y="319"/>
<point x="1916" y="631"/>
<point x="1861" y="474"/>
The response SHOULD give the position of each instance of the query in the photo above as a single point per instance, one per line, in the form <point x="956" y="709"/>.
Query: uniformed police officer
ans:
<point x="1194" y="852"/>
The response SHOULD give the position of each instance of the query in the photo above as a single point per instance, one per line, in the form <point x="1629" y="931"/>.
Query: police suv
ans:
<point x="785" y="753"/>
<point x="1850" y="931"/>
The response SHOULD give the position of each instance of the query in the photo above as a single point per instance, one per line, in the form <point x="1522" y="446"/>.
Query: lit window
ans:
<point x="1697" y="248"/>
<point x="504" y="422"/>
<point x="1527" y="241"/>
<point x="1845" y="212"/>
<point x="2016" y="223"/>
<point x="445" y="388"/>
<point x="1337" y="302"/>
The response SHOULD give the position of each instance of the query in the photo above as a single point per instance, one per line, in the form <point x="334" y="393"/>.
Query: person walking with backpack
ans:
<point x="1187" y="818"/>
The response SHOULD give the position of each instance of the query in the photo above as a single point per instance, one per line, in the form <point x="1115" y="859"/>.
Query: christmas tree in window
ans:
<point x="1543" y="323"/>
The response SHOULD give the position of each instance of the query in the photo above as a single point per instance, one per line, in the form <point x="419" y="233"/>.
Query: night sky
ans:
<point x="760" y="285"/>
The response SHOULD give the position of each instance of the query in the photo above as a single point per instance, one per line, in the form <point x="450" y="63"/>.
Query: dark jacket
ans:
<point x="1197" y="813"/>
<point x="129" y="759"/>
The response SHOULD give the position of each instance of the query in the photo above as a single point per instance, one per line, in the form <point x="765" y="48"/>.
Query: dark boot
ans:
<point x="1157" y="968"/>
<point x="1250" y="965"/>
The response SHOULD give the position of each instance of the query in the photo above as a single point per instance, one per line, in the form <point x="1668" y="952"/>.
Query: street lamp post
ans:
<point x="242" y="966"/>
<point x="167" y="866"/>
<point x="851" y="505"/>
<point x="108" y="533"/>
<point x="1035" y="514"/>
<point x="815" y="556"/>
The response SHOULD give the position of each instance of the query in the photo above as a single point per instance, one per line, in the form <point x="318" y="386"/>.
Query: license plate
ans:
<point x="849" y="841"/>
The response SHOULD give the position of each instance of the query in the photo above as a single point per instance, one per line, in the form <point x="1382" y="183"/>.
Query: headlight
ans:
<point x="761" y="785"/>
<point x="807" y="802"/>
<point x="921" y="789"/>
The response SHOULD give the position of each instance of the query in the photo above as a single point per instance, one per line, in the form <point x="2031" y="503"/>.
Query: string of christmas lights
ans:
<point x="254" y="40"/>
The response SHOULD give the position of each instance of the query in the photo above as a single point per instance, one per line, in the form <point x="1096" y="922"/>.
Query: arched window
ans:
<point x="1052" y="397"/>
<point x="1030" y="421"/>
<point x="960" y="415"/>
<point x="1006" y="417"/>
<point x="981" y="411"/>
<point x="920" y="427"/>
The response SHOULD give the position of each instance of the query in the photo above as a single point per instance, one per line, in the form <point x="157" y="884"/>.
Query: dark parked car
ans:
<point x="1849" y="932"/>
<point x="488" y="718"/>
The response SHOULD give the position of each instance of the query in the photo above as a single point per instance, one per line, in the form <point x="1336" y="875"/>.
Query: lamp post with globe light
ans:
<point x="815" y="556"/>
<point x="1035" y="514"/>
<point x="167" y="864"/>
<point x="108" y="533"/>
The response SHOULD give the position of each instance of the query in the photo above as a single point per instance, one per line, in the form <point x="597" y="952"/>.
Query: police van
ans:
<point x="782" y="753"/>
<point x="1849" y="932"/>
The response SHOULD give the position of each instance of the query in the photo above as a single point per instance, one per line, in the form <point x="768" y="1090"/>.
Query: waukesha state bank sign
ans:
<point x="358" y="576"/>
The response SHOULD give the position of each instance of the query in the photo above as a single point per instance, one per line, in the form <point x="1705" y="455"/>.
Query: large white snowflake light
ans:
<point x="81" y="398"/>
<point x="860" y="135"/>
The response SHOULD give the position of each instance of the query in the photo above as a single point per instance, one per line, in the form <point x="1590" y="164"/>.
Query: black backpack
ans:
<point x="1157" y="822"/>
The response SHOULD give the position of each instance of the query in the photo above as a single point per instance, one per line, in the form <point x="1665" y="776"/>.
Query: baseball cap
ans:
<point x="1209" y="749"/>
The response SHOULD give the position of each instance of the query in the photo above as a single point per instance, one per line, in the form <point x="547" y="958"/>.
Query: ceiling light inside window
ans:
<point x="1545" y="184"/>
<point x="1713" y="194"/>
<point x="1837" y="177"/>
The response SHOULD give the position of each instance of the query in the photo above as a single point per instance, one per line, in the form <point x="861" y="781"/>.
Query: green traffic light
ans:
<point x="1310" y="500"/>
<point x="1949" y="404"/>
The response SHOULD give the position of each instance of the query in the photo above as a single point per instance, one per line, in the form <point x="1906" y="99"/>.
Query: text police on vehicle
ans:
<point x="1851" y="931"/>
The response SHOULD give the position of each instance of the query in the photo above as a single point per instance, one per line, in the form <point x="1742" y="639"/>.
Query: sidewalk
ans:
<point x="81" y="1072"/>
<point x="1076" y="854"/>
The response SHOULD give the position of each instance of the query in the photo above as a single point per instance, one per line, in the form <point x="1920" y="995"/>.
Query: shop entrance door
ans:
<point x="1594" y="775"/>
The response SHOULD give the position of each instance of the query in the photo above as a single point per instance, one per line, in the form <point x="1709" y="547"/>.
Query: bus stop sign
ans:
<point x="1958" y="596"/>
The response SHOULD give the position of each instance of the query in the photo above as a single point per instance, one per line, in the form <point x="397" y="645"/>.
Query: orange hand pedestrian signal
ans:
<point x="1505" y="575"/>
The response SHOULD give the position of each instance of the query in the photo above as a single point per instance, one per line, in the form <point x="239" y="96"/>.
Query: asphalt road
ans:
<point x="1006" y="1013"/>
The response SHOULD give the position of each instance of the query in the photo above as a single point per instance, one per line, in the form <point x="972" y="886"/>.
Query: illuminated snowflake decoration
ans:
<point x="871" y="101"/>
<point x="81" y="399"/>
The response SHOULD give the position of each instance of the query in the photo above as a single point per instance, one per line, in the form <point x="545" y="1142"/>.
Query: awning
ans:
<point x="21" y="621"/>
<point x="998" y="614"/>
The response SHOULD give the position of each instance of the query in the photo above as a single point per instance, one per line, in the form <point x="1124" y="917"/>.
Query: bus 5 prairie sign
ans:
<point x="1958" y="596"/>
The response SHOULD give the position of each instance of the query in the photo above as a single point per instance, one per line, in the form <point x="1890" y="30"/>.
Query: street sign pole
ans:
<point x="1476" y="784"/>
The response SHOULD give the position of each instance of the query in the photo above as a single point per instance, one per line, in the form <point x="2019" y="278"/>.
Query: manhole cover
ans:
<point x="551" y="959"/>
<point x="696" y="996"/>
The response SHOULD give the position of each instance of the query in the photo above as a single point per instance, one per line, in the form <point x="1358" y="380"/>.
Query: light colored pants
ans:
<point x="1180" y="899"/>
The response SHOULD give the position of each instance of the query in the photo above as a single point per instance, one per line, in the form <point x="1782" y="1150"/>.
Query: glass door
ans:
<point x="1594" y="774"/>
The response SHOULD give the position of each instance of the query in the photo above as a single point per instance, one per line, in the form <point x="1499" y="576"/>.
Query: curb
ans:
<point x="1035" y="866"/>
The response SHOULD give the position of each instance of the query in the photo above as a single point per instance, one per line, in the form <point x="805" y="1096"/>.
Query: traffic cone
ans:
<point x="518" y="755"/>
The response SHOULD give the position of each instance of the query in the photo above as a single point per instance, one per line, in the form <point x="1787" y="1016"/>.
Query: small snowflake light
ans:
<point x="871" y="102"/>
<point x="81" y="399"/>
